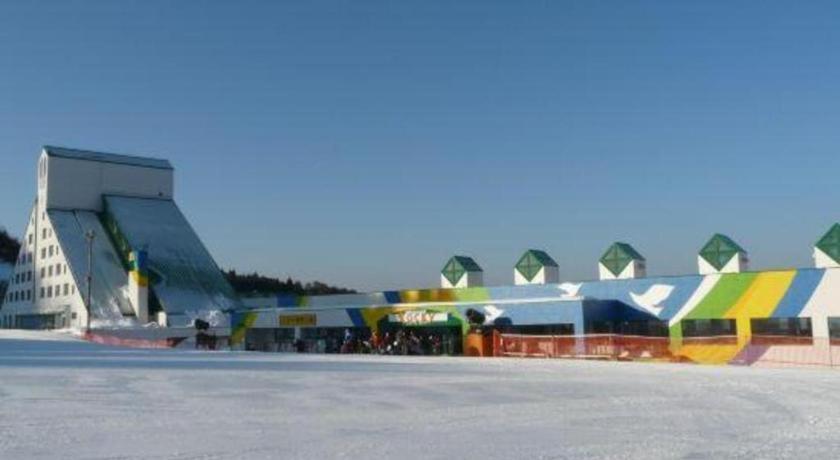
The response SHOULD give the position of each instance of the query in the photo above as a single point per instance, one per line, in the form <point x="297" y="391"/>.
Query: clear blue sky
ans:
<point x="362" y="143"/>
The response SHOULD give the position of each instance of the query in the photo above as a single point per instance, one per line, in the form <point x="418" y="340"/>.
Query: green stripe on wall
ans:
<point x="474" y="294"/>
<point x="723" y="296"/>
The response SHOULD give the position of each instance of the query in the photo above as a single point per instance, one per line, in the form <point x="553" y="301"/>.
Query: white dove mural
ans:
<point x="651" y="300"/>
<point x="570" y="290"/>
<point x="492" y="313"/>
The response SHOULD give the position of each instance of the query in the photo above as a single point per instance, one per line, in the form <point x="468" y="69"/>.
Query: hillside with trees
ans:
<point x="254" y="284"/>
<point x="9" y="247"/>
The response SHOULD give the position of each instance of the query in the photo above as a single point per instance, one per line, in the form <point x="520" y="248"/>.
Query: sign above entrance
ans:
<point x="298" y="320"/>
<point x="418" y="317"/>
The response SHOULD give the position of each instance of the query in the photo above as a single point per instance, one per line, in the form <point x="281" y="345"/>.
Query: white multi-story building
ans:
<point x="110" y="218"/>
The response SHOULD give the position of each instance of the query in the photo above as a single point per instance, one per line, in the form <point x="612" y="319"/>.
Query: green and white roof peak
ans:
<point x="621" y="261"/>
<point x="461" y="271"/>
<point x="536" y="267"/>
<point x="827" y="249"/>
<point x="721" y="254"/>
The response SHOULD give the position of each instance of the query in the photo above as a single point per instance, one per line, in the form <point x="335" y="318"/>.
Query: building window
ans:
<point x="29" y="237"/>
<point x="834" y="327"/>
<point x="646" y="328"/>
<point x="66" y="289"/>
<point x="50" y="271"/>
<point x="786" y="327"/>
<point x="51" y="251"/>
<point x="708" y="327"/>
<point x="43" y="253"/>
<point x="49" y="291"/>
<point x="43" y="272"/>
<point x="43" y="291"/>
<point x="44" y="234"/>
<point x="28" y="295"/>
<point x="29" y="275"/>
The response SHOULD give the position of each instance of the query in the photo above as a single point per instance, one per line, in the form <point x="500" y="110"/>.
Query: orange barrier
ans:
<point x="753" y="351"/>
<point x="596" y="346"/>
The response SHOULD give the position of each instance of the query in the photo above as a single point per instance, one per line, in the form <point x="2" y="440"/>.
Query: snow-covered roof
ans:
<point x="103" y="157"/>
<point x="184" y="276"/>
<point x="109" y="293"/>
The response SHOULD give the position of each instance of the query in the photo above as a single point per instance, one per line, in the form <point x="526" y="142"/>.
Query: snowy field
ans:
<point x="61" y="398"/>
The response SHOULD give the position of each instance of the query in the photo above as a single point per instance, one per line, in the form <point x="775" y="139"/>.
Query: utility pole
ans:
<point x="89" y="236"/>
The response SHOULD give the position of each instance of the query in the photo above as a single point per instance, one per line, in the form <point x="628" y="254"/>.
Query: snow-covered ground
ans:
<point x="62" y="398"/>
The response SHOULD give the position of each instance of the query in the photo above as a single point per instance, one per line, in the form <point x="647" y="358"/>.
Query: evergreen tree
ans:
<point x="9" y="247"/>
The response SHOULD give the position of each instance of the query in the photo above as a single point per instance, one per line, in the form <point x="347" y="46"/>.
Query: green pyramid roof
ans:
<point x="532" y="262"/>
<point x="830" y="243"/>
<point x="719" y="250"/>
<point x="619" y="256"/>
<point x="457" y="266"/>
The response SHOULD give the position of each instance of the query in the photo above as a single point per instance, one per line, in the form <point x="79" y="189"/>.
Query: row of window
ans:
<point x="48" y="292"/>
<point x="46" y="251"/>
<point x="15" y="296"/>
<point x="53" y="270"/>
<point x="37" y="321"/>
<point x="46" y="272"/>
<point x="21" y="277"/>
<point x="782" y="327"/>
<point x="785" y="327"/>
<point x="49" y="250"/>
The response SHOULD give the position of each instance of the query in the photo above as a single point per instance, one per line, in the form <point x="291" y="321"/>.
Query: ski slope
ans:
<point x="62" y="398"/>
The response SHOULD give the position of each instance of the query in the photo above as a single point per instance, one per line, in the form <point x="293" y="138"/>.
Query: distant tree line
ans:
<point x="254" y="284"/>
<point x="9" y="247"/>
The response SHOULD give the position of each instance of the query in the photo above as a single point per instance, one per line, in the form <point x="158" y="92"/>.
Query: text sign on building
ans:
<point x="298" y="320"/>
<point x="418" y="317"/>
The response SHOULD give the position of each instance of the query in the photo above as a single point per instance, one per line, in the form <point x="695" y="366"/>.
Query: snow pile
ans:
<point x="63" y="398"/>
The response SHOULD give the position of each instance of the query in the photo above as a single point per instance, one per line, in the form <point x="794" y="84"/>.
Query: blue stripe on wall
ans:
<point x="392" y="296"/>
<point x="355" y="315"/>
<point x="798" y="294"/>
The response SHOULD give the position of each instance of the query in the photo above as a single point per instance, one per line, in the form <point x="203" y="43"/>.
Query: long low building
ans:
<point x="723" y="302"/>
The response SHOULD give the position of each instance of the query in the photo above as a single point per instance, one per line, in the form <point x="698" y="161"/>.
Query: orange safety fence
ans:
<point x="752" y="351"/>
<point x="595" y="346"/>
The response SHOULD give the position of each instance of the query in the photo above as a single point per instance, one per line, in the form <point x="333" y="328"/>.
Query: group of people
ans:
<point x="398" y="343"/>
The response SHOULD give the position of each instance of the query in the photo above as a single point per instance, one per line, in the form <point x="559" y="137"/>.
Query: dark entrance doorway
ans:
<point x="434" y="338"/>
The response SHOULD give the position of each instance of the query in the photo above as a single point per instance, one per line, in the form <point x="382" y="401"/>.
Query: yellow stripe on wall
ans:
<point x="760" y="300"/>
